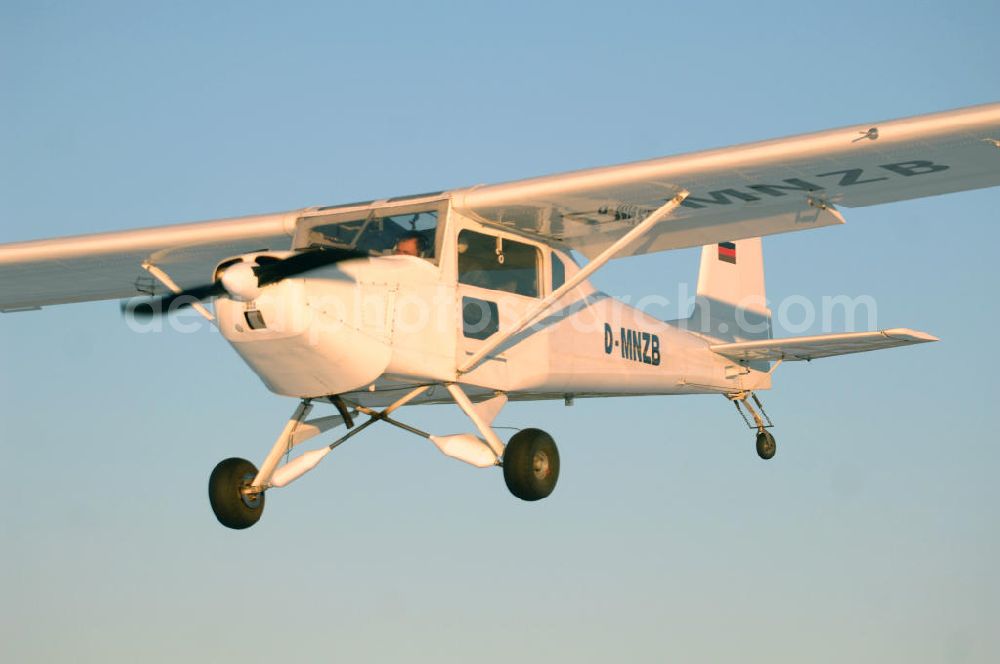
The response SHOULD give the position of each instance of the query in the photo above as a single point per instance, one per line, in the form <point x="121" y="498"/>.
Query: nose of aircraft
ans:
<point x="240" y="282"/>
<point x="303" y="342"/>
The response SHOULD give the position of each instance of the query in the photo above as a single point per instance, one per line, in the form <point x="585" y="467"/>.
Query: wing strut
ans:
<point x="640" y="229"/>
<point x="165" y="279"/>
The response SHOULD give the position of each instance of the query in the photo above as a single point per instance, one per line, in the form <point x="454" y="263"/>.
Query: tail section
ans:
<point x="731" y="304"/>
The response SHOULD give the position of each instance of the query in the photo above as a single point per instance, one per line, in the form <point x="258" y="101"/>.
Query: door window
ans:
<point x="489" y="261"/>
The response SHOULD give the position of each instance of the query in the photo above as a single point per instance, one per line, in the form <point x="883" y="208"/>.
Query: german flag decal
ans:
<point x="727" y="252"/>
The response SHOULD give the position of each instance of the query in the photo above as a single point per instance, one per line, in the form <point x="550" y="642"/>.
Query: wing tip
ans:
<point x="912" y="336"/>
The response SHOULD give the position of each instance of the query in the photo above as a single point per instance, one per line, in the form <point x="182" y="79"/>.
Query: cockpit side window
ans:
<point x="558" y="271"/>
<point x="489" y="261"/>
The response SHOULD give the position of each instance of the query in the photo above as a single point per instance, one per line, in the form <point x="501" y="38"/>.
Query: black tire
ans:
<point x="766" y="447"/>
<point x="232" y="508"/>
<point x="531" y="464"/>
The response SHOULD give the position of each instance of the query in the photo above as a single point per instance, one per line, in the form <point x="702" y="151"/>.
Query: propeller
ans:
<point x="243" y="280"/>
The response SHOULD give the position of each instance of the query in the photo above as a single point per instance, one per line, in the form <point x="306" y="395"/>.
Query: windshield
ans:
<point x="409" y="234"/>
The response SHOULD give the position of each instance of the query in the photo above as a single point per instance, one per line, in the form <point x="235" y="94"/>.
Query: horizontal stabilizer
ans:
<point x="823" y="345"/>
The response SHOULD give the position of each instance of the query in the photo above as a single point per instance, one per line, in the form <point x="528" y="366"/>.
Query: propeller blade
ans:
<point x="158" y="306"/>
<point x="267" y="271"/>
<point x="302" y="262"/>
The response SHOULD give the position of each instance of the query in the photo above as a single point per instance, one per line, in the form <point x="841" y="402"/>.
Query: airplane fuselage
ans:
<point x="377" y="325"/>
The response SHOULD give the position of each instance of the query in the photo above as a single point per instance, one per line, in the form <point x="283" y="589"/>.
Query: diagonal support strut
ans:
<point x="640" y="229"/>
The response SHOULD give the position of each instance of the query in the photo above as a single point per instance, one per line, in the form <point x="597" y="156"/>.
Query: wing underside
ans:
<point x="755" y="189"/>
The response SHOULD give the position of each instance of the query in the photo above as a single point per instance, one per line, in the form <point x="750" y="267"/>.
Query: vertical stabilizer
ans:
<point x="731" y="302"/>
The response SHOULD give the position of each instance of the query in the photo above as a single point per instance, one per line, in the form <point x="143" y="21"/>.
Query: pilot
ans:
<point x="411" y="243"/>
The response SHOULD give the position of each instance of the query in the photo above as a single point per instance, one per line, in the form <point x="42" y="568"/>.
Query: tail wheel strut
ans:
<point x="766" y="446"/>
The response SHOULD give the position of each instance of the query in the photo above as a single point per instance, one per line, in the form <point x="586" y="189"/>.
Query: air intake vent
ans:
<point x="255" y="319"/>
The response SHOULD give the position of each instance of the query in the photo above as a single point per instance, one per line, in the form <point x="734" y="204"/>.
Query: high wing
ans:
<point x="109" y="265"/>
<point x="825" y="345"/>
<point x="755" y="189"/>
<point x="737" y="192"/>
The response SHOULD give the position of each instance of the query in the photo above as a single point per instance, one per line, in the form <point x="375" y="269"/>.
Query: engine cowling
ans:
<point x="300" y="348"/>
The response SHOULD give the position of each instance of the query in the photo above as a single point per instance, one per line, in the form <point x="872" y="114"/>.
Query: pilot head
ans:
<point x="412" y="243"/>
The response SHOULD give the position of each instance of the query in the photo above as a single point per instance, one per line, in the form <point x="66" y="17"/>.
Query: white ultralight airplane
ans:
<point x="472" y="296"/>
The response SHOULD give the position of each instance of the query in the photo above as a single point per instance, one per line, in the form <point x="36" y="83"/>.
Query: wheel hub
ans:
<point x="251" y="500"/>
<point x="540" y="465"/>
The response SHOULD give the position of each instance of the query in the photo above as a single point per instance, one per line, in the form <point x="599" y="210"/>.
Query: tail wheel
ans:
<point x="531" y="464"/>
<point x="766" y="447"/>
<point x="232" y="507"/>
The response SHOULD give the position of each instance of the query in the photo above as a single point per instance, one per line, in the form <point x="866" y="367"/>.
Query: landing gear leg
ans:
<point x="766" y="446"/>
<point x="530" y="459"/>
<point x="239" y="477"/>
<point x="236" y="487"/>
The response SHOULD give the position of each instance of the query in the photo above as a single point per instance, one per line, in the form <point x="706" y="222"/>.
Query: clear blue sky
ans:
<point x="871" y="537"/>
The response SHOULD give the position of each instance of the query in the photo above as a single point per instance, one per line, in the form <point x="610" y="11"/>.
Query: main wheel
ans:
<point x="531" y="464"/>
<point x="766" y="447"/>
<point x="232" y="508"/>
